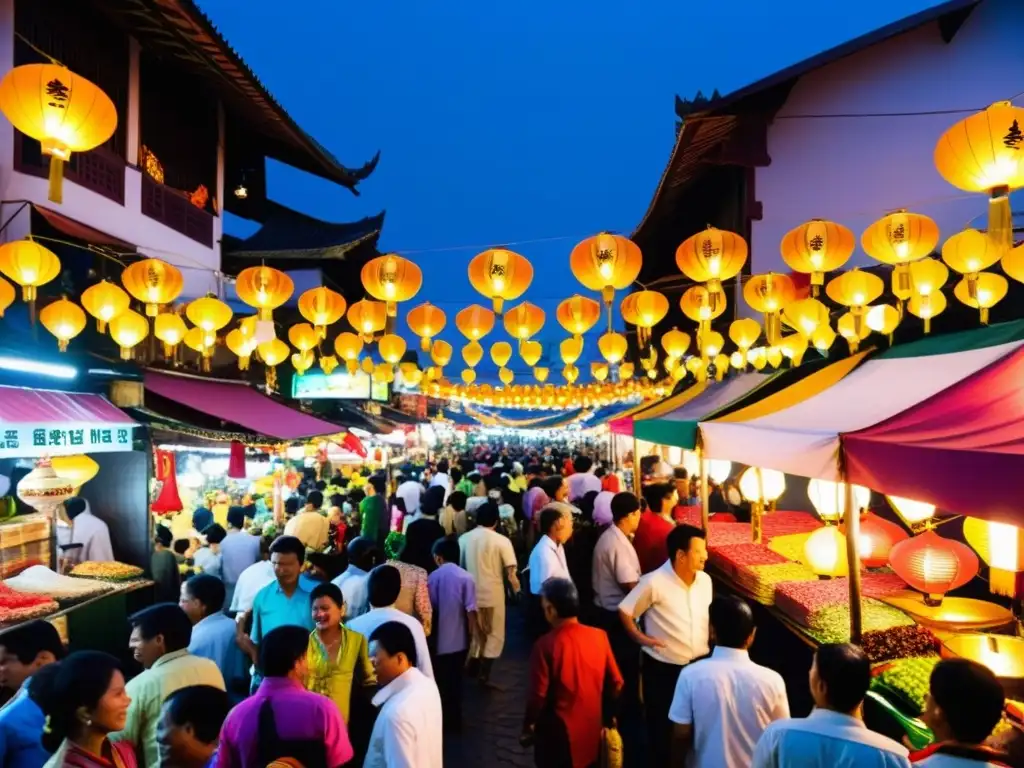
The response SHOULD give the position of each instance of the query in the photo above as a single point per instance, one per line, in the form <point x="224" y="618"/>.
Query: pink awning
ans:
<point x="240" y="404"/>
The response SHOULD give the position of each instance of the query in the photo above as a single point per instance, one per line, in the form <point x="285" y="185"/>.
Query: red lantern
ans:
<point x="933" y="565"/>
<point x="236" y="461"/>
<point x="169" y="501"/>
<point x="354" y="444"/>
<point x="877" y="538"/>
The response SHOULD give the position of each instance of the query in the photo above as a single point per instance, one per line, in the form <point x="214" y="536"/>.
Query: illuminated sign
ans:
<point x="338" y="386"/>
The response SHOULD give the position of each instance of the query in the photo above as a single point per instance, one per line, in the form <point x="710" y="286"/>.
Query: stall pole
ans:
<point x="705" y="506"/>
<point x="636" y="468"/>
<point x="852" y="515"/>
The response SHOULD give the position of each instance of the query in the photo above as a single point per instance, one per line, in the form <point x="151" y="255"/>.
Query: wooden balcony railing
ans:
<point x="173" y="209"/>
<point x="100" y="170"/>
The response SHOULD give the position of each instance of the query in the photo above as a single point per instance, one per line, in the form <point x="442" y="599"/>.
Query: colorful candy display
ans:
<point x="111" y="571"/>
<point x="905" y="682"/>
<point x="760" y="580"/>
<point x="832" y="623"/>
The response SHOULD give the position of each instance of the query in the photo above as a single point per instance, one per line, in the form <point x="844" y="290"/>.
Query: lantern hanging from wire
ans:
<point x="853" y="331"/>
<point x="202" y="342"/>
<point x="882" y="318"/>
<point x="644" y="309"/>
<point x="391" y="347"/>
<point x="242" y="346"/>
<point x="900" y="238"/>
<point x="303" y="337"/>
<point x="391" y="279"/>
<point x="209" y="313"/>
<point x="710" y="343"/>
<point x="933" y="565"/>
<point x="744" y="333"/>
<point x="265" y="289"/>
<point x="541" y="373"/>
<point x="570" y="373"/>
<point x="64" y="319"/>
<point x="426" y="321"/>
<point x="1001" y="546"/>
<point x="599" y="371"/>
<point x="328" y="363"/>
<point x="29" y="265"/>
<point x="128" y="329"/>
<point x="606" y="263"/>
<point x="970" y="252"/>
<point x="613" y="347"/>
<point x="877" y="538"/>
<point x="104" y="301"/>
<point x="322" y="307"/>
<point x="817" y="247"/>
<point x="578" y="314"/>
<point x="855" y="290"/>
<point x="348" y="346"/>
<point x="170" y="329"/>
<point x="501" y="353"/>
<point x="570" y="349"/>
<point x="500" y="275"/>
<point x="524" y="320"/>
<point x="988" y="288"/>
<point x="927" y="307"/>
<point x="793" y="348"/>
<point x="769" y="294"/>
<point x="805" y="316"/>
<point x="272" y="353"/>
<point x="63" y="111"/>
<point x="829" y="498"/>
<point x="154" y="282"/>
<point x="367" y="318"/>
<point x="825" y="553"/>
<point x="440" y="353"/>
<point x="701" y="306"/>
<point x="760" y="487"/>
<point x="985" y="153"/>
<point x="675" y="343"/>
<point x="710" y="257"/>
<point x="531" y="352"/>
<point x="472" y="354"/>
<point x="505" y="375"/>
<point x="823" y="337"/>
<point x="7" y="295"/>
<point x="474" y="322"/>
<point x="302" y="362"/>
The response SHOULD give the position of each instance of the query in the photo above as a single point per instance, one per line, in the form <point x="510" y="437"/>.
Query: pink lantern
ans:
<point x="933" y="565"/>
<point x="877" y="538"/>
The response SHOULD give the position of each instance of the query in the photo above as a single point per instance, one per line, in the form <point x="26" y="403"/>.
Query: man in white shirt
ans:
<point x="253" y="579"/>
<point x="408" y="728"/>
<point x="362" y="552"/>
<point x="722" y="705"/>
<point x="547" y="560"/>
<point x="673" y="601"/>
<point x="583" y="480"/>
<point x="410" y="491"/>
<point x="442" y="478"/>
<point x="834" y="734"/>
<point x="384" y="585"/>
<point x="87" y="530"/>
<point x="490" y="559"/>
<point x="310" y="526"/>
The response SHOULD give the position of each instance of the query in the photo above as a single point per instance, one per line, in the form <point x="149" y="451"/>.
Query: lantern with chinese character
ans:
<point x="578" y="314"/>
<point x="606" y="263"/>
<point x="933" y="565"/>
<point x="265" y="289"/>
<point x="128" y="329"/>
<point x="153" y="282"/>
<point x="900" y="238"/>
<point x="64" y="319"/>
<point x="769" y="294"/>
<point x="825" y="553"/>
<point x="63" y="111"/>
<point x="241" y="345"/>
<point x="855" y="289"/>
<point x="710" y="257"/>
<point x="391" y="279"/>
<point x="760" y="487"/>
<point x="644" y="309"/>
<point x="208" y="313"/>
<point x="170" y="329"/>
<point x="322" y="307"/>
<point x="524" y="320"/>
<point x="701" y="306"/>
<point x="474" y="322"/>
<point x="988" y="290"/>
<point x="30" y="265"/>
<point x="817" y="247"/>
<point x="368" y="317"/>
<point x="1001" y="546"/>
<point x="500" y="275"/>
<point x="104" y="301"/>
<point x="426" y="321"/>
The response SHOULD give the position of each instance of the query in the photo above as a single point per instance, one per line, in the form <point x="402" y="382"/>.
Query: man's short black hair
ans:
<point x="442" y="466"/>
<point x="384" y="585"/>
<point x="320" y="485"/>
<point x="291" y="505"/>
<point x="447" y="549"/>
<point x="395" y="638"/>
<point x="655" y="493"/>
<point x="474" y="477"/>
<point x="360" y="548"/>
<point x="455" y="474"/>
<point x="487" y="515"/>
<point x="563" y="596"/>
<point x="181" y="546"/>
<point x="337" y="500"/>
<point x="163" y="535"/>
<point x="732" y="620"/>
<point x="167" y="619"/>
<point x="970" y="697"/>
<point x="457" y="500"/>
<point x="377" y="482"/>
<point x="315" y="499"/>
<point x="549" y="517"/>
<point x="26" y="641"/>
<point x="201" y="706"/>
<point x="582" y="463"/>
<point x="74" y="506"/>
<point x="215" y="534"/>
<point x="236" y="517"/>
<point x="680" y="538"/>
<point x="551" y="485"/>
<point x="208" y="590"/>
<point x="846" y="673"/>
<point x="281" y="650"/>
<point x="623" y="505"/>
<point x="289" y="545"/>
<point x="680" y="473"/>
<point x="250" y="510"/>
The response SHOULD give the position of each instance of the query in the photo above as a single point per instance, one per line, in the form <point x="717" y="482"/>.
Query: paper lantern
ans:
<point x="711" y="343"/>
<point x="768" y="294"/>
<point x="411" y="375"/>
<point x="272" y="353"/>
<point x="383" y="372"/>
<point x="913" y="513"/>
<point x="710" y="257"/>
<point x="877" y="538"/>
<point x="64" y="319"/>
<point x="988" y="289"/>
<point x="426" y="321"/>
<point x="823" y="338"/>
<point x="644" y="309"/>
<point x="79" y="469"/>
<point x="391" y="279"/>
<point x="474" y="322"/>
<point x="578" y="314"/>
<point x="541" y="374"/>
<point x="852" y="330"/>
<point x="570" y="349"/>
<point x="793" y="348"/>
<point x="969" y="253"/>
<point x="1001" y="546"/>
<point x="303" y="337"/>
<point x="882" y="318"/>
<point x="368" y="318"/>
<point x="63" y="111"/>
<point x="606" y="263"/>
<point x="829" y="498"/>
<point x="718" y="470"/>
<point x="170" y="329"/>
<point x="500" y="275"/>
<point x="570" y="373"/>
<point x="760" y="487"/>
<point x="128" y="329"/>
<point x="927" y="307"/>
<point x="7" y="295"/>
<point x="700" y="305"/>
<point x="209" y="313"/>
<point x="817" y="247"/>
<point x="531" y="352"/>
<point x="855" y="289"/>
<point x="29" y="265"/>
<point x="202" y="342"/>
<point x="441" y="353"/>
<point x="327" y="364"/>
<point x="900" y="238"/>
<point x="675" y="343"/>
<point x="468" y="375"/>
<point x="153" y="282"/>
<point x="391" y="348"/>
<point x="985" y="153"/>
<point x="599" y="371"/>
<point x="613" y="347"/>
<point x="524" y="320"/>
<point x="104" y="301"/>
<point x="302" y="362"/>
<point x="322" y="307"/>
<point x="472" y="354"/>
<point x="933" y="565"/>
<point x="1013" y="263"/>
<point x="264" y="288"/>
<point x="501" y="353"/>
<point x="744" y="333"/>
<point x="348" y="346"/>
<point x="505" y="376"/>
<point x="241" y="345"/>
<point x="805" y="316"/>
<point x="367" y="365"/>
<point x="825" y="553"/>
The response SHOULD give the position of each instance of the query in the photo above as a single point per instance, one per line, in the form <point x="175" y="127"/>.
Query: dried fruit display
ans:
<point x="790" y="546"/>
<point x="111" y="571"/>
<point x="899" y="643"/>
<point x="732" y="557"/>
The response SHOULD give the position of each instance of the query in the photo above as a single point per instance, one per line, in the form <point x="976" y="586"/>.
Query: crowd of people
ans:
<point x="350" y="638"/>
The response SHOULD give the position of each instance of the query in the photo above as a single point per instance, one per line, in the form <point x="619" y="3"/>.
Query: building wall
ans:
<point x="199" y="264"/>
<point x="854" y="170"/>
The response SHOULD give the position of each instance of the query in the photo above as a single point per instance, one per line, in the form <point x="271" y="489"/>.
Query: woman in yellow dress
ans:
<point x="338" y="657"/>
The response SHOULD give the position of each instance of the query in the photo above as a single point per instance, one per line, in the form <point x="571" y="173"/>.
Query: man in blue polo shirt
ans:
<point x="24" y="651"/>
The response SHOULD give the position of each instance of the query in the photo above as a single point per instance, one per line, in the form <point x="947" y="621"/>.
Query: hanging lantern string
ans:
<point x="38" y="50"/>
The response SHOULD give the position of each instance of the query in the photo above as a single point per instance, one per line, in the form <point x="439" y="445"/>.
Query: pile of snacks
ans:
<point x="760" y="580"/>
<point x="881" y="583"/>
<point x="899" y="643"/>
<point x="732" y="557"/>
<point x="40" y="580"/>
<point x="904" y="682"/>
<point x="724" y="534"/>
<point x="15" y="606"/>
<point x="801" y="599"/>
<point x="775" y="524"/>
<point x="790" y="546"/>
<point x="832" y="623"/>
<point x="111" y="571"/>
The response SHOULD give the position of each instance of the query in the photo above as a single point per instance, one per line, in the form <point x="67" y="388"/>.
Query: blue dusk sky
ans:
<point x="533" y="124"/>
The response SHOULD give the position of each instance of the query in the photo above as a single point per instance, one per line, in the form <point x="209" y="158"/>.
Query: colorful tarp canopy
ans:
<point x="238" y="403"/>
<point x="624" y="424"/>
<point x="802" y="437"/>
<point x="962" y="450"/>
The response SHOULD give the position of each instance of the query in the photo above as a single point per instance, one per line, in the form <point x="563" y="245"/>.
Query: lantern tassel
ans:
<point x="425" y="343"/>
<point x="56" y="193"/>
<point x="756" y="513"/>
<point x="1000" y="220"/>
<point x="1002" y="582"/>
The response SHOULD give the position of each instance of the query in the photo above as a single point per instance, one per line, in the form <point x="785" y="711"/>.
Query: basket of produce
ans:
<point x="108" y="571"/>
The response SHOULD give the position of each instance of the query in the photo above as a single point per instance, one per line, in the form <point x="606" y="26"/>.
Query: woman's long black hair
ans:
<point x="80" y="680"/>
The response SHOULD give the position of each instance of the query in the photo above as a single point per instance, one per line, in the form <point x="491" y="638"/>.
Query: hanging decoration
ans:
<point x="1001" y="546"/>
<point x="264" y="289"/>
<point x="711" y="257"/>
<point x="578" y="314"/>
<point x="391" y="279"/>
<point x="524" y="320"/>
<point x="29" y="265"/>
<point x="128" y="329"/>
<point x="426" y="321"/>
<point x="368" y="318"/>
<point x="348" y="347"/>
<point x="817" y="247"/>
<point x="322" y="307"/>
<point x="64" y="319"/>
<point x="153" y="282"/>
<point x="500" y="275"/>
<point x="900" y="238"/>
<point x="933" y="565"/>
<point x="856" y="290"/>
<point x="273" y="353"/>
<point x="606" y="263"/>
<point x="644" y="309"/>
<point x="474" y="322"/>
<point x="104" y="301"/>
<point x="241" y="345"/>
<point x="760" y="487"/>
<point x="769" y="294"/>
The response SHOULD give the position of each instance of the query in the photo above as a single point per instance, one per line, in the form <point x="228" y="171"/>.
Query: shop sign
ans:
<point x="63" y="439"/>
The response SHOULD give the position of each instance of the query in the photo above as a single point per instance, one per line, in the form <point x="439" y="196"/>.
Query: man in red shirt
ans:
<point x="655" y="525"/>
<point x="572" y="675"/>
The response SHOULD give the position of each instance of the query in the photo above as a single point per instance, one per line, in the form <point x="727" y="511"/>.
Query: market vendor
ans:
<point x="86" y="529"/>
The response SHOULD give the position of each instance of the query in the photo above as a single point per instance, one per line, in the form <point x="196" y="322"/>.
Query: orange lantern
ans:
<point x="933" y="565"/>
<point x="675" y="343"/>
<point x="855" y="289"/>
<point x="391" y="348"/>
<point x="348" y="346"/>
<point x="426" y="321"/>
<point x="570" y="373"/>
<point x="644" y="309"/>
<point x="302" y="362"/>
<point x="898" y="239"/>
<point x="805" y="316"/>
<point x="500" y="275"/>
<point x="273" y="353"/>
<point x="501" y="353"/>
<point x="153" y="282"/>
<point x="613" y="347"/>
<point x="303" y="337"/>
<point x="208" y="313"/>
<point x="744" y="333"/>
<point x="368" y="317"/>
<point x="202" y="342"/>
<point x="578" y="314"/>
<point x="524" y="320"/>
<point x="472" y="354"/>
<point x="571" y="349"/>
<point x="474" y="322"/>
<point x="327" y="364"/>
<point x="712" y="256"/>
<point x="104" y="301"/>
<point x="64" y="319"/>
<point x="391" y="279"/>
<point x="877" y="538"/>
<point x="264" y="288"/>
<point x="817" y="247"/>
<point x="769" y="294"/>
<point x="28" y="264"/>
<point x="541" y="374"/>
<point x="606" y="263"/>
<point x="322" y="307"/>
<point x="701" y="306"/>
<point x="989" y="289"/>
<point x="505" y="376"/>
<point x="468" y="376"/>
<point x="7" y="296"/>
<point x="63" y="111"/>
<point x="241" y="345"/>
<point x="969" y="253"/>
<point x="441" y="353"/>
<point x="531" y="352"/>
<point x="128" y="329"/>
<point x="170" y="329"/>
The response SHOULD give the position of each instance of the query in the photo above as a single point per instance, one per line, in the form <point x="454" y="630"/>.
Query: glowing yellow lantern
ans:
<point x="793" y="348"/>
<point x="64" y="319"/>
<point x="1013" y="263"/>
<point x="578" y="314"/>
<point x="348" y="346"/>
<point x="411" y="375"/>
<point x="29" y="265"/>
<point x="153" y="282"/>
<point x="927" y="276"/>
<point x="303" y="337"/>
<point x="501" y="353"/>
<point x="63" y="111"/>
<point x="613" y="347"/>
<point x="468" y="376"/>
<point x="367" y="365"/>
<point x="988" y="288"/>
<point x="209" y="313"/>
<point x="391" y="278"/>
<point x="606" y="263"/>
<point x="383" y="372"/>
<point x="817" y="247"/>
<point x="241" y="345"/>
<point x="829" y="499"/>
<point x="768" y="294"/>
<point x="882" y="318"/>
<point x="472" y="354"/>
<point x="200" y="341"/>
<point x="426" y="321"/>
<point x="758" y="357"/>
<point x="302" y="362"/>
<point x="711" y="343"/>
<point x="737" y="360"/>
<point x="441" y="353"/>
<point x="644" y="309"/>
<point x="570" y="373"/>
<point x="760" y="487"/>
<point x="524" y="320"/>
<point x="823" y="337"/>
<point x="805" y="316"/>
<point x="322" y="307"/>
<point x="505" y="375"/>
<point x="710" y="257"/>
<point x="391" y="348"/>
<point x="474" y="322"/>
<point x="263" y="288"/>
<point x="970" y="252"/>
<point x="273" y="353"/>
<point x="327" y="364"/>
<point x="825" y="553"/>
<point x="599" y="371"/>
<point x="927" y="307"/>
<point x="675" y="343"/>
<point x="367" y="317"/>
<point x="104" y="301"/>
<point x="853" y="331"/>
<point x="701" y="306"/>
<point x="915" y="514"/>
<point x="900" y="238"/>
<point x="128" y="329"/>
<point x="531" y="352"/>
<point x="541" y="374"/>
<point x="774" y="356"/>
<point x="571" y="349"/>
<point x="500" y="275"/>
<point x="985" y="153"/>
<point x="79" y="469"/>
<point x="7" y="296"/>
<point x="170" y="329"/>
<point x="626" y="371"/>
<point x="1001" y="546"/>
<point x="855" y="289"/>
<point x="744" y="333"/>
